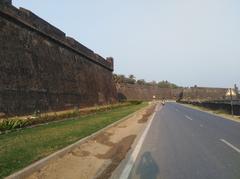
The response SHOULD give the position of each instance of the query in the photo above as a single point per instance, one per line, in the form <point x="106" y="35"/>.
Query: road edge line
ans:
<point x="127" y="169"/>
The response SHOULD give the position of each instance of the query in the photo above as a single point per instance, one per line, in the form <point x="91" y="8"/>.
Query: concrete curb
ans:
<point x="43" y="162"/>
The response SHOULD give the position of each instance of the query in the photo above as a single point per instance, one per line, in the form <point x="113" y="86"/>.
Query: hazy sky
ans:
<point x="187" y="42"/>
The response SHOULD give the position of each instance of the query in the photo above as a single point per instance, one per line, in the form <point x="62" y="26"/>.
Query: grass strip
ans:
<point x="15" y="123"/>
<point x="21" y="148"/>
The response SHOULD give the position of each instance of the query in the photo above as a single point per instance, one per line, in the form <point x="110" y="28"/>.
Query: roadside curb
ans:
<point x="25" y="172"/>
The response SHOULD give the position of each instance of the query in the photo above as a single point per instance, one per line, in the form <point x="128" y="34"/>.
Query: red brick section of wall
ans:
<point x="41" y="69"/>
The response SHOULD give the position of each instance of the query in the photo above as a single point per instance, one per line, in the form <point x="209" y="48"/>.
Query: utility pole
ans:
<point x="231" y="96"/>
<point x="237" y="91"/>
<point x="230" y="93"/>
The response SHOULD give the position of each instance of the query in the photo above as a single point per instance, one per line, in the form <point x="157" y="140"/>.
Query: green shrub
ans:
<point x="38" y="118"/>
<point x="12" y="124"/>
<point x="135" y="102"/>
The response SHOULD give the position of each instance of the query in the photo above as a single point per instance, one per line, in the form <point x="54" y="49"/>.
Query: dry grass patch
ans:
<point x="147" y="114"/>
<point x="117" y="153"/>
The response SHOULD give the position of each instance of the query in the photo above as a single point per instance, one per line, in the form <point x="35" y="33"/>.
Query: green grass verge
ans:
<point x="21" y="148"/>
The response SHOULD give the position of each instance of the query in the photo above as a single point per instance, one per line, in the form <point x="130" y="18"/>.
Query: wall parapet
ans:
<point x="27" y="19"/>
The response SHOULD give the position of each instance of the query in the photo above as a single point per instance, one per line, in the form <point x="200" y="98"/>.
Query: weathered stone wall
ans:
<point x="143" y="92"/>
<point x="42" y="69"/>
<point x="203" y="94"/>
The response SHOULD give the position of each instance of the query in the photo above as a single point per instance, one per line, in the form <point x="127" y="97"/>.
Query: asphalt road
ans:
<point x="183" y="143"/>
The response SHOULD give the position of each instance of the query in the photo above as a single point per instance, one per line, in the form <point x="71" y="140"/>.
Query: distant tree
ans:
<point x="131" y="79"/>
<point x="119" y="78"/>
<point x="166" y="84"/>
<point x="163" y="84"/>
<point x="122" y="78"/>
<point x="115" y="78"/>
<point x="141" y="82"/>
<point x="152" y="83"/>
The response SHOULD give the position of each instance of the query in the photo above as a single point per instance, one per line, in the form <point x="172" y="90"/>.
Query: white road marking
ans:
<point x="230" y="145"/>
<point x="126" y="172"/>
<point x="188" y="117"/>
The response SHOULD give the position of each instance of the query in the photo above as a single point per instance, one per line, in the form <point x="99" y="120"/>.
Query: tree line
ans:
<point x="131" y="79"/>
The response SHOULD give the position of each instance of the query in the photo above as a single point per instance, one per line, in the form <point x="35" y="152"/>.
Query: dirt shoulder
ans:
<point x="99" y="156"/>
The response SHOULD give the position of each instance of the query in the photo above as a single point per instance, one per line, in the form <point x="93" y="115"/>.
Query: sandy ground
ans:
<point x="99" y="156"/>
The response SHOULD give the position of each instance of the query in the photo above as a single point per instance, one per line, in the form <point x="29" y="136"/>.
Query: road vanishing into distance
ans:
<point x="183" y="143"/>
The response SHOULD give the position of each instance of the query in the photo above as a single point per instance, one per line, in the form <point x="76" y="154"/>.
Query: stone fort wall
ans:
<point x="204" y="94"/>
<point x="42" y="69"/>
<point x="143" y="92"/>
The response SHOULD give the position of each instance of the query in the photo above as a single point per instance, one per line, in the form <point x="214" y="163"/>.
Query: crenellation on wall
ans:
<point x="35" y="23"/>
<point x="42" y="25"/>
<point x="110" y="60"/>
<point x="75" y="44"/>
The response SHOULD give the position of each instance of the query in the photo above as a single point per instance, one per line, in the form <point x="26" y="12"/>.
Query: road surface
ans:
<point x="183" y="143"/>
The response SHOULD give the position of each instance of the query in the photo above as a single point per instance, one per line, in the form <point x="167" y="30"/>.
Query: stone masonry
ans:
<point x="41" y="69"/>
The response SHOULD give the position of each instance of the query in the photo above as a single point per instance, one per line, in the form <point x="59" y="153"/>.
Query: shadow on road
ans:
<point x="147" y="168"/>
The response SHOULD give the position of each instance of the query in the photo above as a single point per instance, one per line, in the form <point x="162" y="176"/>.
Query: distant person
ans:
<point x="163" y="102"/>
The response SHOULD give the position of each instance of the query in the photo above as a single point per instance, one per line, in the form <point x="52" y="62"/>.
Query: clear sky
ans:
<point x="186" y="42"/>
